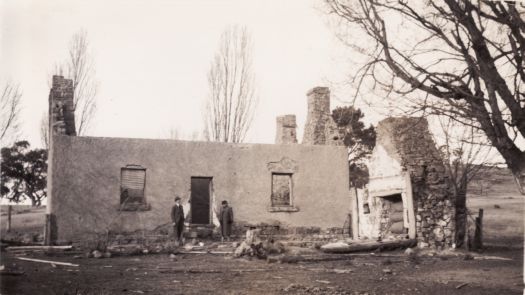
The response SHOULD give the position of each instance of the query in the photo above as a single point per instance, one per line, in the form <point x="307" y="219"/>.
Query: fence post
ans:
<point x="478" y="234"/>
<point x="9" y="210"/>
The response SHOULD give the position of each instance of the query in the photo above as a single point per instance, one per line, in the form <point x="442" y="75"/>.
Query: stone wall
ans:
<point x="87" y="177"/>
<point x="286" y="132"/>
<point x="320" y="127"/>
<point x="409" y="142"/>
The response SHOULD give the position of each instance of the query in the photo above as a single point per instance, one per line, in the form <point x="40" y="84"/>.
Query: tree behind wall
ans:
<point x="464" y="153"/>
<point x="23" y="173"/>
<point x="10" y="107"/>
<point x="232" y="100"/>
<point x="79" y="67"/>
<point x="358" y="139"/>
<point x="462" y="59"/>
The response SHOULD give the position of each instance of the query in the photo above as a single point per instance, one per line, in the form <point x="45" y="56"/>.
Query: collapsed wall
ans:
<point x="320" y="127"/>
<point x="408" y="142"/>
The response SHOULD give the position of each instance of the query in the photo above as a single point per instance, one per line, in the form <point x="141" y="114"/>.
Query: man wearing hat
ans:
<point x="177" y="217"/>
<point x="226" y="220"/>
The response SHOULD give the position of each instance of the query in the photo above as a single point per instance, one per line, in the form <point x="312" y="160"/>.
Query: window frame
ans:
<point x="133" y="206"/>
<point x="283" y="208"/>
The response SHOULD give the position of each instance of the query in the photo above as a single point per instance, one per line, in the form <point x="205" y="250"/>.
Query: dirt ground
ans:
<point x="501" y="272"/>
<point x="382" y="273"/>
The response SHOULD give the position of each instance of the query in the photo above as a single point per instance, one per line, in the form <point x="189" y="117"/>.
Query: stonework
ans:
<point x="320" y="127"/>
<point x="286" y="132"/>
<point x="408" y="144"/>
<point x="61" y="107"/>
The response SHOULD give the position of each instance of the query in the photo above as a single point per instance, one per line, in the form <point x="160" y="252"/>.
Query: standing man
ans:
<point x="226" y="220"/>
<point x="177" y="217"/>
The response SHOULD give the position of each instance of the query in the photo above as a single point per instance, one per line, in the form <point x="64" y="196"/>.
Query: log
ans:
<point x="11" y="273"/>
<point x="369" y="246"/>
<point x="47" y="261"/>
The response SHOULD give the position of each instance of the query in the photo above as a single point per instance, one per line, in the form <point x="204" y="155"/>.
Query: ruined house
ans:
<point x="122" y="185"/>
<point x="408" y="193"/>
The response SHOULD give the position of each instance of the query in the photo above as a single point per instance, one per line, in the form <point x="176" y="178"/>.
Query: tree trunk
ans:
<point x="461" y="212"/>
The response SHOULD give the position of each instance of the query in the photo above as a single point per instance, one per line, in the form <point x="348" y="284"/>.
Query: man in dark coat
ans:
<point x="226" y="220"/>
<point x="177" y="217"/>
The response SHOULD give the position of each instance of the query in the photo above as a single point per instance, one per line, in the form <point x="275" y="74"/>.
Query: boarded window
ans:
<point x="281" y="189"/>
<point x="133" y="181"/>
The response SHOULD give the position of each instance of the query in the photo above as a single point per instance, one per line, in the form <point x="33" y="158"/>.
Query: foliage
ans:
<point x="359" y="140"/>
<point x="24" y="173"/>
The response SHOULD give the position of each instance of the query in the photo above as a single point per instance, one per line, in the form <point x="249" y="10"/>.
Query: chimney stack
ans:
<point x="286" y="130"/>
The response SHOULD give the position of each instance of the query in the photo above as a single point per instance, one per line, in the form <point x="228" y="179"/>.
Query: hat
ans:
<point x="224" y="202"/>
<point x="177" y="198"/>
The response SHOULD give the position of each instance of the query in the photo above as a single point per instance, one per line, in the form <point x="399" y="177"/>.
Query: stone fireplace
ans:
<point x="408" y="195"/>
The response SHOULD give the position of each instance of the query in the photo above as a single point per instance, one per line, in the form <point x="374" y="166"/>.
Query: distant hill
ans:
<point x="493" y="181"/>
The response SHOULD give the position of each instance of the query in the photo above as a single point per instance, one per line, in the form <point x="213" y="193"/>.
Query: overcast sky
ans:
<point x="152" y="58"/>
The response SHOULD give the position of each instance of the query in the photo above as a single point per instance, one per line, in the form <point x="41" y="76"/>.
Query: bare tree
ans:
<point x="465" y="153"/>
<point x="458" y="58"/>
<point x="79" y="67"/>
<point x="10" y="107"/>
<point x="44" y="130"/>
<point x="232" y="100"/>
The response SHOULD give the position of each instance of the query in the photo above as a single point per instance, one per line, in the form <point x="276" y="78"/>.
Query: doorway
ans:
<point x="200" y="200"/>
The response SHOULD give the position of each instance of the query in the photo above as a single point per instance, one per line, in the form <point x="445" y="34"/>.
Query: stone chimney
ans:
<point x="61" y="107"/>
<point x="320" y="128"/>
<point x="286" y="130"/>
<point x="61" y="122"/>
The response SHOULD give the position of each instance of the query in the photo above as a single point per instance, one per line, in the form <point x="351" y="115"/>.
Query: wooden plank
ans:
<point x="39" y="247"/>
<point x="410" y="204"/>
<point x="47" y="261"/>
<point x="355" y="214"/>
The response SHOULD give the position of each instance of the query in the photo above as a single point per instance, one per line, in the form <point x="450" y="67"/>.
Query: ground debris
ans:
<point x="47" y="261"/>
<point x="461" y="285"/>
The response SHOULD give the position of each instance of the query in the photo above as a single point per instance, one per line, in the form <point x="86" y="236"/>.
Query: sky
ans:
<point x="152" y="58"/>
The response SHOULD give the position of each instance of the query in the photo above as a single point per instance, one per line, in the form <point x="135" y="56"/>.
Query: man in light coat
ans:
<point x="226" y="220"/>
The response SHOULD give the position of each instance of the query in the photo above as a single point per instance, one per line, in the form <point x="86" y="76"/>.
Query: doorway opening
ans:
<point x="200" y="200"/>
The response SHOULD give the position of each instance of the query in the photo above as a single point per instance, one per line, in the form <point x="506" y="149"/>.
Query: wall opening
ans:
<point x="200" y="200"/>
<point x="281" y="189"/>
<point x="132" y="187"/>
<point x="393" y="219"/>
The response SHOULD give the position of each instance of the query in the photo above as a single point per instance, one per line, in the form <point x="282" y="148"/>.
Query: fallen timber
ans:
<point x="342" y="248"/>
